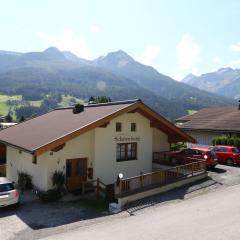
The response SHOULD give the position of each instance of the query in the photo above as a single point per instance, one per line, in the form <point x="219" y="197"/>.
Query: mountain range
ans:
<point x="116" y="75"/>
<point x="225" y="81"/>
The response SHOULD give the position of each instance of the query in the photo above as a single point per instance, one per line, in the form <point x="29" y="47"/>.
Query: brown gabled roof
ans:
<point x="47" y="131"/>
<point x="224" y="119"/>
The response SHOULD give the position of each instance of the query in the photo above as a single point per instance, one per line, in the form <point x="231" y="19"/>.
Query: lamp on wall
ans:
<point x="19" y="151"/>
<point x="120" y="175"/>
<point x="51" y="153"/>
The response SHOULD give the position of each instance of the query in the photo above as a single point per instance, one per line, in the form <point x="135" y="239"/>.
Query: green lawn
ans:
<point x="69" y="100"/>
<point x="190" y="112"/>
<point x="35" y="103"/>
<point x="5" y="108"/>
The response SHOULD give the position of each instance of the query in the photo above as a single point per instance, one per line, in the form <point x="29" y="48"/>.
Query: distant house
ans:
<point x="88" y="142"/>
<point x="208" y="123"/>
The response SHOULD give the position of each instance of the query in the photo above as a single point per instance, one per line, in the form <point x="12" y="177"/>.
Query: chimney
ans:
<point x="78" y="108"/>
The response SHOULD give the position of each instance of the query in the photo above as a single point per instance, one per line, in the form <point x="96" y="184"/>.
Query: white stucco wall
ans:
<point x="203" y="138"/>
<point x="106" y="166"/>
<point x="79" y="147"/>
<point x="20" y="161"/>
<point x="160" y="141"/>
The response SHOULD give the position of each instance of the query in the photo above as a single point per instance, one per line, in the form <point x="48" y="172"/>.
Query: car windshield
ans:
<point x="5" y="187"/>
<point x="236" y="150"/>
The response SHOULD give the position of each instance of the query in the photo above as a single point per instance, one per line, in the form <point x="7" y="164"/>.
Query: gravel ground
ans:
<point x="36" y="220"/>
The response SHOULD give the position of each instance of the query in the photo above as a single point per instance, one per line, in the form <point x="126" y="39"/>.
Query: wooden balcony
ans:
<point x="159" y="178"/>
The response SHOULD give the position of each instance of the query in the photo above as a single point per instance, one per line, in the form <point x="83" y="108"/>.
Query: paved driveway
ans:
<point x="36" y="220"/>
<point x="213" y="216"/>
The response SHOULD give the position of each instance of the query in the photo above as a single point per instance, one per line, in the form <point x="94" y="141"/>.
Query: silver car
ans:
<point x="9" y="195"/>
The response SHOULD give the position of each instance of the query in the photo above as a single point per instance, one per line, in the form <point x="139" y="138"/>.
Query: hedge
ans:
<point x="229" y="141"/>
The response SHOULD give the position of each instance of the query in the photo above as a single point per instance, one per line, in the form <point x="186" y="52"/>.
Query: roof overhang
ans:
<point x="174" y="133"/>
<point x="210" y="130"/>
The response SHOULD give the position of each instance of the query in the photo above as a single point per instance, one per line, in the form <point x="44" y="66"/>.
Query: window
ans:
<point x="126" y="151"/>
<point x="235" y="150"/>
<point x="34" y="160"/>
<point x="187" y="151"/>
<point x="118" y="127"/>
<point x="222" y="150"/>
<point x="197" y="152"/>
<point x="133" y="127"/>
<point x="6" y="187"/>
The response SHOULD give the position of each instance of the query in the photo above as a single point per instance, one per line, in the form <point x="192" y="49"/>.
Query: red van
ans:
<point x="229" y="155"/>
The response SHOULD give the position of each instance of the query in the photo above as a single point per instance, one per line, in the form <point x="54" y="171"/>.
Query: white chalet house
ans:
<point x="88" y="142"/>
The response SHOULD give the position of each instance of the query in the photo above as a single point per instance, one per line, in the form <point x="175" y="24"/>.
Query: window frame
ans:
<point x="122" y="148"/>
<point x="133" y="127"/>
<point x="118" y="127"/>
<point x="34" y="160"/>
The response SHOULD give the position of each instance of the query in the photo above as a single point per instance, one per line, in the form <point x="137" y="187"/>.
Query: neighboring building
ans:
<point x="208" y="123"/>
<point x="95" y="141"/>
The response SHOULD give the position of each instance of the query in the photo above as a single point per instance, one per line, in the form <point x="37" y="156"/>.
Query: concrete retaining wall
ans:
<point x="125" y="200"/>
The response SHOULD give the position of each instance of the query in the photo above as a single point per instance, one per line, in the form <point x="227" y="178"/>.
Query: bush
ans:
<point x="177" y="146"/>
<point x="52" y="195"/>
<point x="225" y="140"/>
<point x="58" y="180"/>
<point x="24" y="181"/>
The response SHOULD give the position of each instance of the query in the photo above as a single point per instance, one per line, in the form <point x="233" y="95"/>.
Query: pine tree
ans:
<point x="8" y="118"/>
<point x="22" y="119"/>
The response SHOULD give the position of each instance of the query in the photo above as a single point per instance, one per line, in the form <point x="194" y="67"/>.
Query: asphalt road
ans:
<point x="213" y="216"/>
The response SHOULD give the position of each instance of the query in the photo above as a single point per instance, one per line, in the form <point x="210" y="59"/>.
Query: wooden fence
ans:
<point x="160" y="178"/>
<point x="101" y="189"/>
<point x="163" y="158"/>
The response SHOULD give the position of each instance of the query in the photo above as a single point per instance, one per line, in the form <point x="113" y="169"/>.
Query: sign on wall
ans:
<point x="126" y="139"/>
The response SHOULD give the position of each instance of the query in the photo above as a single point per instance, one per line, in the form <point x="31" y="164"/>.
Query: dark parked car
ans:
<point x="227" y="154"/>
<point x="189" y="154"/>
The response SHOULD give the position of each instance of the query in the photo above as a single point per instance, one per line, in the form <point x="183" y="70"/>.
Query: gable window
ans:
<point x="126" y="151"/>
<point x="34" y="159"/>
<point x="118" y="127"/>
<point x="133" y="127"/>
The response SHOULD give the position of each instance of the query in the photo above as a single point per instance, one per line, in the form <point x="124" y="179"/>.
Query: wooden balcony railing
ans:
<point x="159" y="157"/>
<point x="163" y="158"/>
<point x="160" y="178"/>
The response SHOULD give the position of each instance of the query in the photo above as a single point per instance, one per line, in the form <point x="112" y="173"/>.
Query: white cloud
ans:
<point x="235" y="47"/>
<point x="68" y="41"/>
<point x="149" y="54"/>
<point x="216" y="59"/>
<point x="180" y="75"/>
<point x="187" y="52"/>
<point x="95" y="29"/>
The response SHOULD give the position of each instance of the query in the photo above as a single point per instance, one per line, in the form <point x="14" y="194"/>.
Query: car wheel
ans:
<point x="229" y="162"/>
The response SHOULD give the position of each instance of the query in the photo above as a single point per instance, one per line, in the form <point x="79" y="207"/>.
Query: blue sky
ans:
<point x="176" y="37"/>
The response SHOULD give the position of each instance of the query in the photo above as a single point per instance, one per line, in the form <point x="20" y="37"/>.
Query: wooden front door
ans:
<point x="76" y="173"/>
